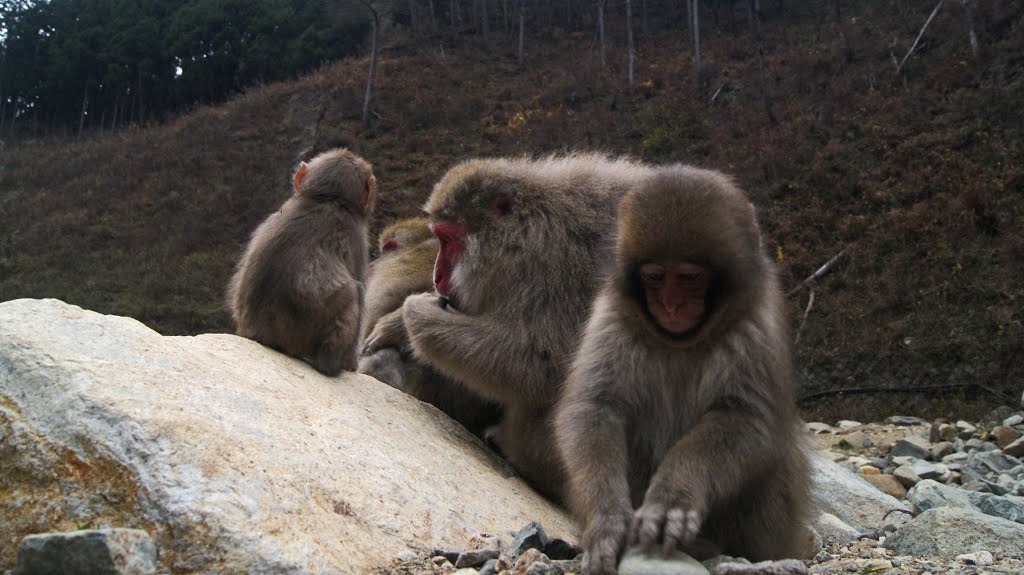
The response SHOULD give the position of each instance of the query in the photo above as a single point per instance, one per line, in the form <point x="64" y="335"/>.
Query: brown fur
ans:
<point x="523" y="285"/>
<point x="298" y="287"/>
<point x="696" y="432"/>
<point x="404" y="270"/>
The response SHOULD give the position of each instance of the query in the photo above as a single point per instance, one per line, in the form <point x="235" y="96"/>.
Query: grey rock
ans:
<point x="1004" y="507"/>
<point x="717" y="560"/>
<point x="905" y="420"/>
<point x="1015" y="419"/>
<point x="531" y="536"/>
<point x="947" y="432"/>
<point x="949" y="531"/>
<point x="972" y="444"/>
<point x="995" y="461"/>
<point x="451" y="556"/>
<point x="930" y="494"/>
<point x="905" y="474"/>
<point x="634" y="562"/>
<point x="911" y="446"/>
<point x="833" y="530"/>
<point x="928" y="470"/>
<point x="784" y="567"/>
<point x="573" y="566"/>
<point x="476" y="557"/>
<point x="958" y="457"/>
<point x="817" y="427"/>
<point x="538" y="568"/>
<point x="850" y="498"/>
<point x="965" y="430"/>
<point x="940" y="450"/>
<point x="973" y="476"/>
<point x="490" y="567"/>
<point x="89" y="552"/>
<point x="1015" y="449"/>
<point x="997" y="415"/>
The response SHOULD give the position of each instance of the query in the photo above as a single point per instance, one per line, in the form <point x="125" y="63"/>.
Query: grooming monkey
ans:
<point x="678" y="423"/>
<point x="405" y="267"/>
<point x="521" y="242"/>
<point x="298" y="287"/>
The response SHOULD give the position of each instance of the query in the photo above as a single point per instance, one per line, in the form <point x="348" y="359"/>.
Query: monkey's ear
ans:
<point x="300" y="175"/>
<point x="503" y="204"/>
<point x="371" y="186"/>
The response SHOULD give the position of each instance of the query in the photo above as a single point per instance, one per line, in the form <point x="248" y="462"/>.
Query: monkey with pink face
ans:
<point x="677" y="424"/>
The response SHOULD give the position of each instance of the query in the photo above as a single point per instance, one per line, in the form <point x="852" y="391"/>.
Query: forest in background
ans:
<point x="886" y="132"/>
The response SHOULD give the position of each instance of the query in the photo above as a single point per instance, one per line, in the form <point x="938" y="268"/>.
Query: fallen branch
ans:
<point x="818" y="274"/>
<point x="807" y="312"/>
<point x="919" y="34"/>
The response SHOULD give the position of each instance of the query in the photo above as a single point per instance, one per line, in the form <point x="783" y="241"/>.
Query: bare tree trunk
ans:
<point x="373" y="62"/>
<point x="694" y="14"/>
<point x="600" y="31"/>
<point x="485" y="25"/>
<point x="970" y="26"/>
<point x="522" y="32"/>
<point x="755" y="27"/>
<point x="629" y="41"/>
<point x="919" y="34"/>
<point x="85" y="106"/>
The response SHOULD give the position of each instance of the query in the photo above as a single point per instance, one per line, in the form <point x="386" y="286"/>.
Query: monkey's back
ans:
<point x="299" y="275"/>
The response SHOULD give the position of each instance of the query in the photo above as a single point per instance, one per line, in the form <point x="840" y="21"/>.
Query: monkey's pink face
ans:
<point x="451" y="236"/>
<point x="676" y="294"/>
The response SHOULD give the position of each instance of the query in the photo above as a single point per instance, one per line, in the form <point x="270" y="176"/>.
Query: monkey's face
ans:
<point x="676" y="294"/>
<point x="451" y="239"/>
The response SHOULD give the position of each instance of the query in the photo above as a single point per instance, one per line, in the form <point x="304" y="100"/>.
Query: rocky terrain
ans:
<point x="212" y="454"/>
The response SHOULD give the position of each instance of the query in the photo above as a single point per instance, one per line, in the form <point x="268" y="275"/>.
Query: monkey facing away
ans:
<point x="520" y="245"/>
<point x="678" y="423"/>
<point x="405" y="267"/>
<point x="298" y="287"/>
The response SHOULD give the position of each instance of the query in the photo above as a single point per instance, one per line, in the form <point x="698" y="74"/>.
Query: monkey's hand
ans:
<point x="388" y="332"/>
<point x="666" y="517"/>
<point x="603" y="540"/>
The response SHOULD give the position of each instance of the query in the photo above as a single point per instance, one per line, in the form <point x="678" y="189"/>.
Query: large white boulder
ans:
<point x="233" y="457"/>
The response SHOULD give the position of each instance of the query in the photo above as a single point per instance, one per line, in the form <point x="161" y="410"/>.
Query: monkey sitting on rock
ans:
<point x="678" y="425"/>
<point x="298" y="287"/>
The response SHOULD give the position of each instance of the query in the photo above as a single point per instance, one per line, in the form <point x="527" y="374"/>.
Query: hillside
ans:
<point x="919" y="177"/>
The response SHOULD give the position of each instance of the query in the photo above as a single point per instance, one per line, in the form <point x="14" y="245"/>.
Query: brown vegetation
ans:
<point x="918" y="175"/>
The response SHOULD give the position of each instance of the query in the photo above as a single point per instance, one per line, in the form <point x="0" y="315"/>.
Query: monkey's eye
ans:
<point x="390" y="245"/>
<point x="652" y="273"/>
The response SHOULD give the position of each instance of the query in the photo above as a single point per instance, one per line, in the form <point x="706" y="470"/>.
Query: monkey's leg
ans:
<point x="385" y="365"/>
<point x="340" y="347"/>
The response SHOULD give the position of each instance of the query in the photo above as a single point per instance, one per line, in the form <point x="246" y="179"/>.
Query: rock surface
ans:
<point x="234" y="458"/>
<point x="952" y="531"/>
<point x="87" y="552"/>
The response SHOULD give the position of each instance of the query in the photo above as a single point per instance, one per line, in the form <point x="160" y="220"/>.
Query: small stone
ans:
<point x="856" y="440"/>
<point x="538" y="568"/>
<point x="557" y="549"/>
<point x="476" y="558"/>
<point x="869" y="470"/>
<point x="847" y="424"/>
<point x="634" y="562"/>
<point x="947" y="432"/>
<point x="1016" y="419"/>
<point x="817" y="427"/>
<point x="887" y="484"/>
<point x="823" y="556"/>
<point x="896" y="562"/>
<point x="930" y="494"/>
<point x="911" y="446"/>
<point x="1015" y="449"/>
<point x="467" y="571"/>
<point x="995" y="461"/>
<point x="449" y="556"/>
<point x="528" y="558"/>
<point x="1005" y="435"/>
<point x="965" y="430"/>
<point x="490" y="568"/>
<point x="976" y="558"/>
<point x="972" y="444"/>
<point x="940" y="450"/>
<point x="905" y="474"/>
<point x="905" y="420"/>
<point x="997" y="506"/>
<point x="717" y="560"/>
<point x="927" y="470"/>
<point x="784" y="567"/>
<point x="103" y="551"/>
<point x="406" y="556"/>
<point x="531" y="536"/>
<point x="573" y="566"/>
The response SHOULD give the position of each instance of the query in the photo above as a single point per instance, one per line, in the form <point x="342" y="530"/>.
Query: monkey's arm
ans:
<point x="592" y="439"/>
<point x="388" y="332"/>
<point x="707" y="465"/>
<point x="501" y="362"/>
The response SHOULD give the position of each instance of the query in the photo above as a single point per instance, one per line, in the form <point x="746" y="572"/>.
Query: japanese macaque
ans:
<point x="521" y="245"/>
<point x="405" y="267"/>
<point x="299" y="286"/>
<point x="678" y="423"/>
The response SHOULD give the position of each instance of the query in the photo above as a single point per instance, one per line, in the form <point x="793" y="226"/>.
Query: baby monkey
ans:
<point x="299" y="285"/>
<point x="678" y="423"/>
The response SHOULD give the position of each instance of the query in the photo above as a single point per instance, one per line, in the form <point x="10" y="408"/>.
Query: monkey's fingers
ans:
<point x="601" y="556"/>
<point x="680" y="529"/>
<point x="648" y="524"/>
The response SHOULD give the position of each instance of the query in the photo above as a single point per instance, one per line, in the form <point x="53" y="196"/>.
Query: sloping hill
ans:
<point x="918" y="176"/>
